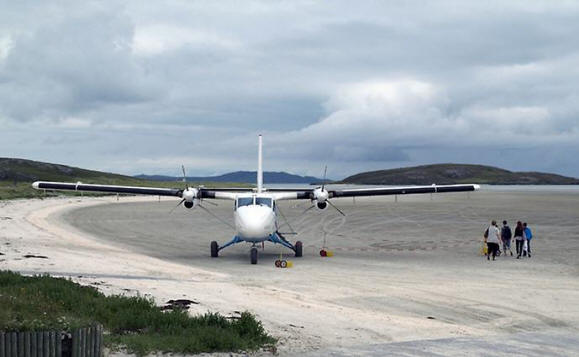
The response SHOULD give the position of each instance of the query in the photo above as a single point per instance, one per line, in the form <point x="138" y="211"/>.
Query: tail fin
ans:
<point x="259" y="168"/>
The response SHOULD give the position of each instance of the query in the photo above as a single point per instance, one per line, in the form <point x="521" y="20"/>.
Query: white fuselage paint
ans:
<point x="254" y="222"/>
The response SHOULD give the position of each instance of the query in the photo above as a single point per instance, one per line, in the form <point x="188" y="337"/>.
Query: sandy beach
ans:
<point x="406" y="279"/>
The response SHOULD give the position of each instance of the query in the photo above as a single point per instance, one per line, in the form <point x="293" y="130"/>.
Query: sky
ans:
<point x="147" y="86"/>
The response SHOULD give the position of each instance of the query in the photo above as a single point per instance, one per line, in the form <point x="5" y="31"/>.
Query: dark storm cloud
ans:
<point x="131" y="88"/>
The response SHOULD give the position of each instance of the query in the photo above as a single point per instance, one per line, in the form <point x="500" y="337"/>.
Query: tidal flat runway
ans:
<point x="403" y="271"/>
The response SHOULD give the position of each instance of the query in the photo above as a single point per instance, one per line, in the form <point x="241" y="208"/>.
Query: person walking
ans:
<point x="493" y="240"/>
<point x="519" y="238"/>
<point x="528" y="237"/>
<point x="506" y="236"/>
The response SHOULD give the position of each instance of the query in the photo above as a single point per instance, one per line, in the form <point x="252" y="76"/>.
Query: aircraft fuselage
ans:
<point x="255" y="218"/>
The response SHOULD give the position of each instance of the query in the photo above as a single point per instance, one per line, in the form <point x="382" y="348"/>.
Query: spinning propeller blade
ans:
<point x="309" y="208"/>
<point x="337" y="209"/>
<point x="184" y="176"/>
<point x="179" y="204"/>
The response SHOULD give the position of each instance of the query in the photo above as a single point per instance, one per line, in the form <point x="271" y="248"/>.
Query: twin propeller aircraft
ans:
<point x="255" y="212"/>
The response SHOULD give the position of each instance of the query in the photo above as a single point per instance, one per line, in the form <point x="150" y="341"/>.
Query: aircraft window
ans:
<point x="244" y="201"/>
<point x="263" y="201"/>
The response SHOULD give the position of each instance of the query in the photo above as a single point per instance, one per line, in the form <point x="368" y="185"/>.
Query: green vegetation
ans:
<point x="17" y="176"/>
<point x="43" y="302"/>
<point x="457" y="173"/>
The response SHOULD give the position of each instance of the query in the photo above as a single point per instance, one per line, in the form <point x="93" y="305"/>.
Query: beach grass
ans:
<point x="133" y="323"/>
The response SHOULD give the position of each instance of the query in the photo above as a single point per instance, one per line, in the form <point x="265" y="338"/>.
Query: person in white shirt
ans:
<point x="493" y="240"/>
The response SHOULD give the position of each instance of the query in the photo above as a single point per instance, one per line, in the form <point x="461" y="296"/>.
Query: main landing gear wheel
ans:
<point x="299" y="248"/>
<point x="253" y="255"/>
<point x="214" y="249"/>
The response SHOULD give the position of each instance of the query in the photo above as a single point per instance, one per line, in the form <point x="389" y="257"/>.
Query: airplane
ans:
<point x="255" y="211"/>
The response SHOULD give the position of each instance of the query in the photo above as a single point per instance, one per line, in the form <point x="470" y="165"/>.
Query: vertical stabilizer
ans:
<point x="259" y="168"/>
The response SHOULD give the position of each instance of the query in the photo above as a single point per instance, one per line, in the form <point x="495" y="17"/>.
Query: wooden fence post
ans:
<point x="39" y="344"/>
<point x="7" y="345"/>
<point x="20" y="345"/>
<point x="14" y="342"/>
<point x="33" y="352"/>
<point x="27" y="343"/>
<point x="2" y="349"/>
<point x="58" y="340"/>
<point x="75" y="345"/>
<point x="45" y="344"/>
<point x="86" y="342"/>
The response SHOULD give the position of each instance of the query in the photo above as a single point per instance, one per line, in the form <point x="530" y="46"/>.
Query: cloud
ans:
<point x="125" y="87"/>
<point x="156" y="39"/>
<point x="74" y="65"/>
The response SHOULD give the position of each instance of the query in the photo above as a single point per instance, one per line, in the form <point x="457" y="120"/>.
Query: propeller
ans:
<point x="189" y="195"/>
<point x="337" y="209"/>
<point x="309" y="208"/>
<point x="322" y="197"/>
<point x="178" y="204"/>
<point x="184" y="175"/>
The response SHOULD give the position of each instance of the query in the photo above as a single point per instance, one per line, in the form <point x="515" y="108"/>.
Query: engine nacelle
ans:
<point x="320" y="195"/>
<point x="189" y="196"/>
<point x="321" y="205"/>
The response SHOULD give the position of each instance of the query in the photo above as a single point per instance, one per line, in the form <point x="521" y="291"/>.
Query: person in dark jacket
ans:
<point x="506" y="236"/>
<point x="519" y="238"/>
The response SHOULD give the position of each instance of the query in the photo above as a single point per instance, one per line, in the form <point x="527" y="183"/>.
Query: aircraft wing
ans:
<point x="217" y="193"/>
<point x="287" y="194"/>
<point x="385" y="191"/>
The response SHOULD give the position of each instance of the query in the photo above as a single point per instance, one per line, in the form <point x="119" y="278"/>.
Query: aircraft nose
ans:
<point x="255" y="222"/>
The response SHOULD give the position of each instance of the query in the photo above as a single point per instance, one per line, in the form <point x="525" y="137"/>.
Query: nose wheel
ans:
<point x="298" y="248"/>
<point x="214" y="249"/>
<point x="253" y="255"/>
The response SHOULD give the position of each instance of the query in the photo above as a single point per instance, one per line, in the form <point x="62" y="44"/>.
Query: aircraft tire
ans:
<point x="253" y="255"/>
<point x="214" y="249"/>
<point x="299" y="248"/>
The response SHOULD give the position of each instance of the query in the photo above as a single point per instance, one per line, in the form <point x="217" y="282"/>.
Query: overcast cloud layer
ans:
<point x="133" y="86"/>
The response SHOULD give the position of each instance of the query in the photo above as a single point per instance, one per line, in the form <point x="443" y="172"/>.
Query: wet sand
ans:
<point x="406" y="278"/>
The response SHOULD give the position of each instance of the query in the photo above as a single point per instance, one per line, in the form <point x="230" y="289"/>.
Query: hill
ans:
<point x="16" y="175"/>
<point x="20" y="170"/>
<point x="457" y="173"/>
<point x="243" y="177"/>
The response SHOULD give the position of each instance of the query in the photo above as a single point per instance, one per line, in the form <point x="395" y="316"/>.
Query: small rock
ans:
<point x="178" y="304"/>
